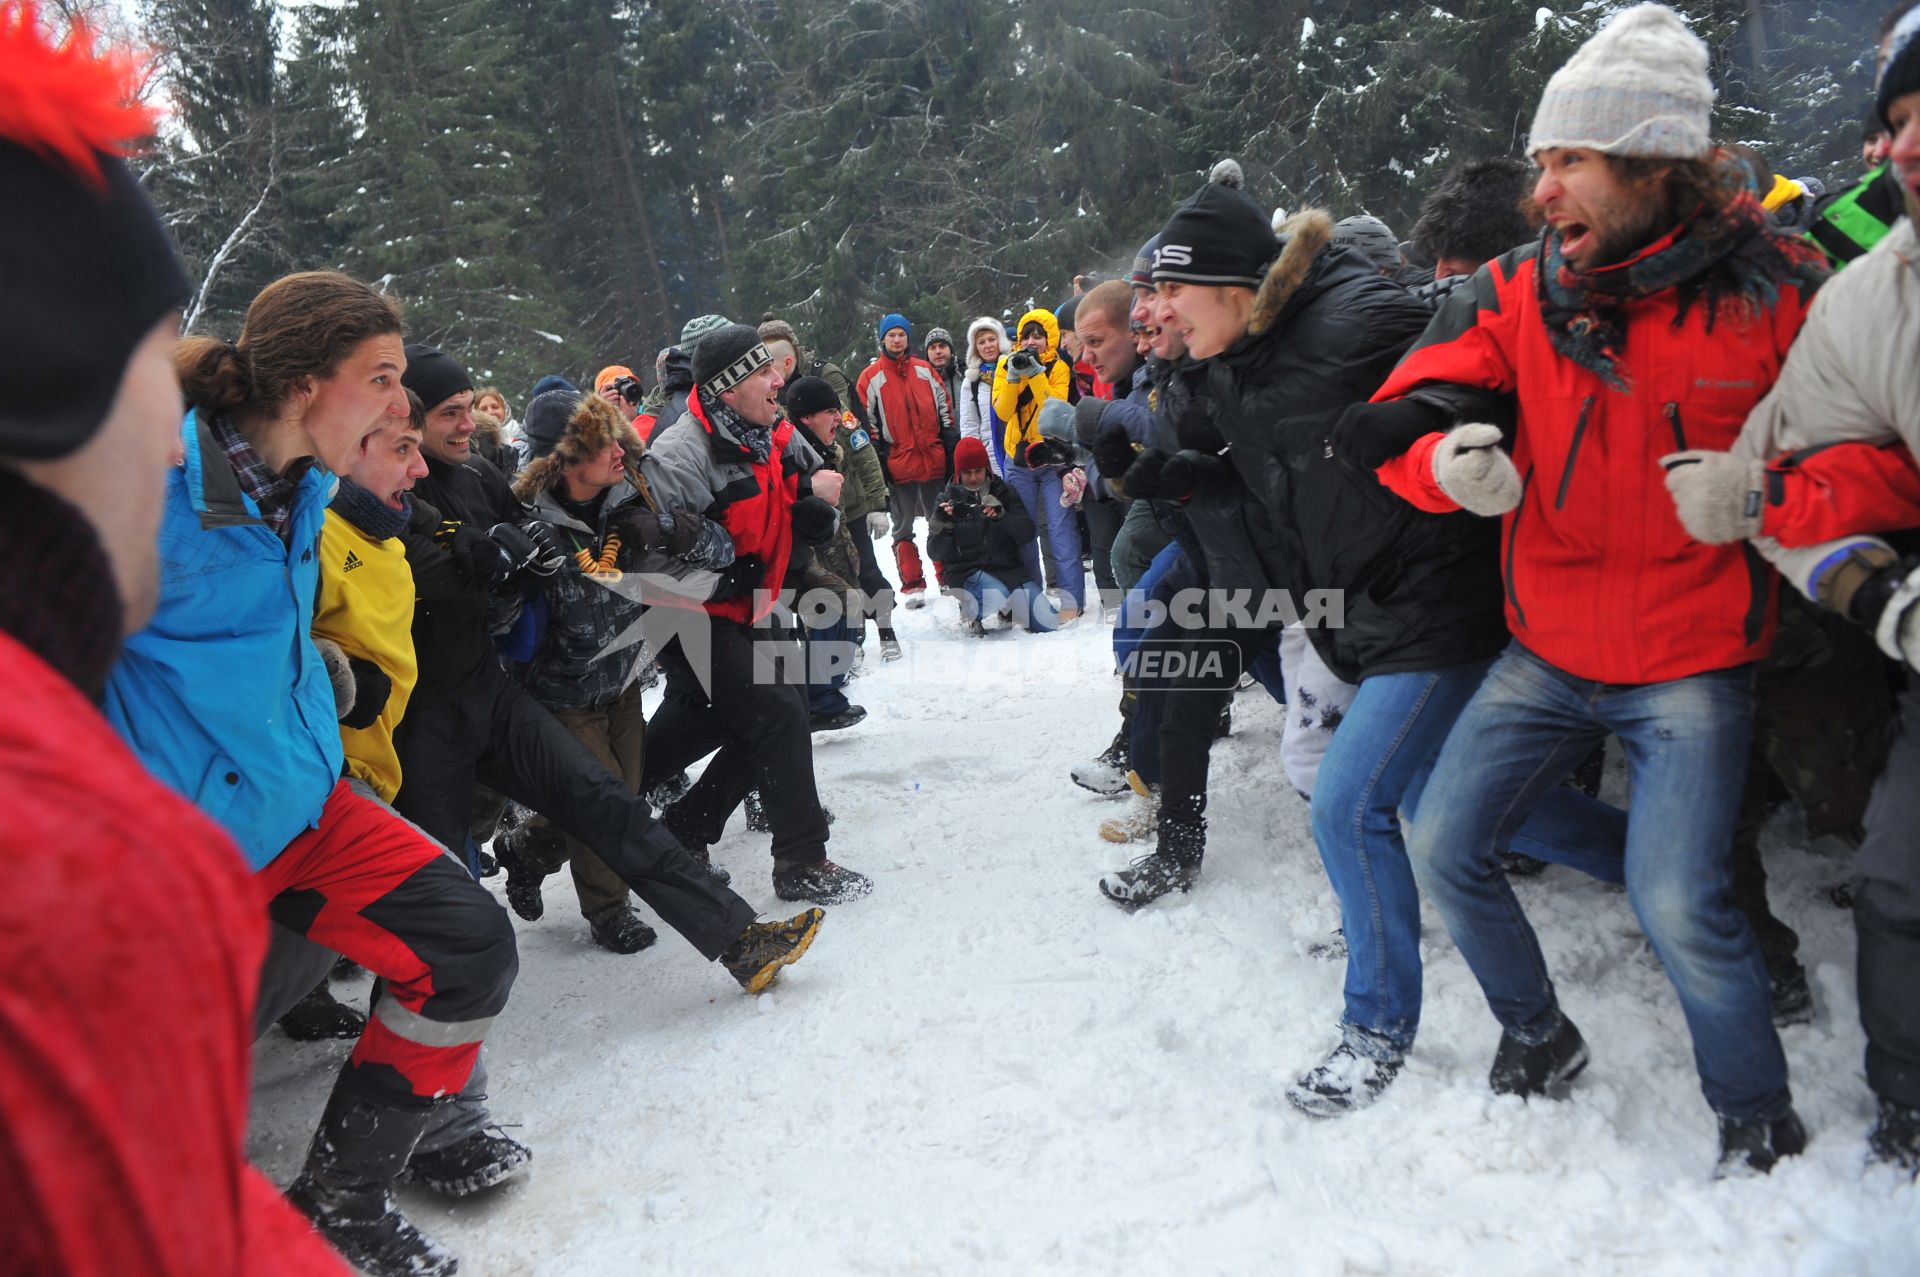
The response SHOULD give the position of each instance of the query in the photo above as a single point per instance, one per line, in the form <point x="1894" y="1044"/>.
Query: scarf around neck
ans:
<point x="1729" y="258"/>
<point x="757" y="439"/>
<point x="367" y="512"/>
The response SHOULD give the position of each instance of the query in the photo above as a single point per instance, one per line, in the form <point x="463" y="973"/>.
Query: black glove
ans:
<point x="535" y="547"/>
<point x="1196" y="431"/>
<point x="1143" y="477"/>
<point x="1114" y="451"/>
<point x="472" y="551"/>
<point x="813" y="520"/>
<point x="639" y="527"/>
<point x="1048" y="452"/>
<point x="1182" y="473"/>
<point x="742" y="576"/>
<point x="1086" y="420"/>
<point x="683" y="532"/>
<point x="371" y="688"/>
<point x="1368" y="435"/>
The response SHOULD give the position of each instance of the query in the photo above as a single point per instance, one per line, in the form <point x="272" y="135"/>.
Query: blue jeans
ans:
<point x="990" y="595"/>
<point x="1373" y="770"/>
<point x="1040" y="491"/>
<point x="1686" y="743"/>
<point x="828" y="652"/>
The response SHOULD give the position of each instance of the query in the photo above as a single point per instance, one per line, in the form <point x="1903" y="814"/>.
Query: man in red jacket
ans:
<point x="1654" y="313"/>
<point x="908" y="408"/>
<point x="131" y="933"/>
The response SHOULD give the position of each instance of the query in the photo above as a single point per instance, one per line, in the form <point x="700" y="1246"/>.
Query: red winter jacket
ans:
<point x="1601" y="578"/>
<point x="907" y="403"/>
<point x="131" y="937"/>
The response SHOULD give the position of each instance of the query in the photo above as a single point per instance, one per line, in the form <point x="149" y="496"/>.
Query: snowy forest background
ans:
<point x="557" y="184"/>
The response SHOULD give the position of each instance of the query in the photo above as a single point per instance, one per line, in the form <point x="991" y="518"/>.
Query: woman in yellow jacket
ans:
<point x="1024" y="380"/>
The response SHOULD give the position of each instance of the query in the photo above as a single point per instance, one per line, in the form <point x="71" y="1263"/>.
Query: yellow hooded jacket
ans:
<point x="365" y="604"/>
<point x="1018" y="402"/>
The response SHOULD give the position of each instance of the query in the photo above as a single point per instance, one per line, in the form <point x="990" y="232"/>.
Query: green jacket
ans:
<point x="864" y="491"/>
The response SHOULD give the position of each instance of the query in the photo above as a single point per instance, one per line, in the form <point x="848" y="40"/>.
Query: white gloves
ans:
<point x="1719" y="496"/>
<point x="878" y="525"/>
<point x="1472" y="468"/>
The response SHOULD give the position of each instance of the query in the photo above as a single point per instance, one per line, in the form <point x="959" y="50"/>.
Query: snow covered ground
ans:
<point x="987" y="1068"/>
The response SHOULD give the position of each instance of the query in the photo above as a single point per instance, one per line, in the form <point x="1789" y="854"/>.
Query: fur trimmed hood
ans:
<point x="983" y="324"/>
<point x="594" y="422"/>
<point x="1304" y="237"/>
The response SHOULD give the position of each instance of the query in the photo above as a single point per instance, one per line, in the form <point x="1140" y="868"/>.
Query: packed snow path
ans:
<point x="985" y="1067"/>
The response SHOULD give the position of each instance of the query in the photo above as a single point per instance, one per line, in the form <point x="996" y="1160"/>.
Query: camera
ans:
<point x="1021" y="365"/>
<point x="630" y="389"/>
<point x="965" y="501"/>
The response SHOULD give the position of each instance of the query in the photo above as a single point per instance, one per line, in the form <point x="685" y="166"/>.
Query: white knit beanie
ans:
<point x="1639" y="87"/>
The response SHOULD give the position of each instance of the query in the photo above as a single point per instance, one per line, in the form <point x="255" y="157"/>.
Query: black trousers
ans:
<point x="503" y="738"/>
<point x="756" y="717"/>
<point x="1190" y="720"/>
<point x="1103" y="525"/>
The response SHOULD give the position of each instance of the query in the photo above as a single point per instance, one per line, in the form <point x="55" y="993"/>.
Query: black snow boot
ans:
<point x="319" y="1016"/>
<point x="665" y="792"/>
<point x="1173" y="866"/>
<point x="1752" y="1148"/>
<point x="618" y="929"/>
<point x="1520" y="865"/>
<point x="764" y="947"/>
<point x="1343" y="1082"/>
<point x="889" y="645"/>
<point x="1544" y="1068"/>
<point x="819" y="882"/>
<point x="696" y="847"/>
<point x="1895" y="1138"/>
<point x="1106" y="772"/>
<point x="359" y="1151"/>
<point x="1788" y="991"/>
<point x="757" y="821"/>
<point x="517" y="849"/>
<point x="478" y="1162"/>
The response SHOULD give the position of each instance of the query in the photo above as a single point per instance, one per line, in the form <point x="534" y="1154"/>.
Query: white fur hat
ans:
<point x="1638" y="87"/>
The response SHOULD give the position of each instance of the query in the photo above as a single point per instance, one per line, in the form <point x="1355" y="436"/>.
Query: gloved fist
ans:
<point x="1073" y="486"/>
<point x="475" y="553"/>
<point x="1143" y="477"/>
<point x="1368" y="435"/>
<point x="371" y="688"/>
<point x="1720" y="497"/>
<point x="1114" y="451"/>
<point x="878" y="525"/>
<point x="1086" y="420"/>
<point x="814" y="521"/>
<point x="339" y="673"/>
<point x="1471" y="467"/>
<point x="640" y="527"/>
<point x="534" y="547"/>
<point x="1888" y="605"/>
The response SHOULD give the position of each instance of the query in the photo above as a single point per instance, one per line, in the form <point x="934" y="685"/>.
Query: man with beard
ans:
<point x="1653" y="314"/>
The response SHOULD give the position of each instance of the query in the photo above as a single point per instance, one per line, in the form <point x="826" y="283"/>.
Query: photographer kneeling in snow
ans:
<point x="976" y="534"/>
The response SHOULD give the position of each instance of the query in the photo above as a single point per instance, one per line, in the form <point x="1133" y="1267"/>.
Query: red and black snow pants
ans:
<point x="368" y="885"/>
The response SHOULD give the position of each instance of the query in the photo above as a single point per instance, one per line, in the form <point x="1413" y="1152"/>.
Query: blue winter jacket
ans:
<point x="223" y="695"/>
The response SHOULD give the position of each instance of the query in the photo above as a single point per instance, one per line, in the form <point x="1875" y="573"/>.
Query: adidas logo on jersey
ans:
<point x="353" y="561"/>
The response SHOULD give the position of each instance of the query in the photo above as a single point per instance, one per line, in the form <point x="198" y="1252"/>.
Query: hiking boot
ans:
<point x="1332" y="949"/>
<point x="1788" y="992"/>
<point x="976" y="628"/>
<point x="1519" y="865"/>
<point x="1343" y="1082"/>
<point x="1895" y="1138"/>
<point x="916" y="599"/>
<point x="764" y="947"/>
<point x="618" y="929"/>
<point x="524" y="877"/>
<point x="1543" y="1068"/>
<point x="358" y="1151"/>
<point x="1106" y="772"/>
<point x="834" y="722"/>
<point x="1140" y="823"/>
<point x="819" y="882"/>
<point x="1147" y="879"/>
<point x="478" y="1162"/>
<point x="489" y="864"/>
<point x="890" y="646"/>
<point x="1752" y="1148"/>
<point x="320" y="1016"/>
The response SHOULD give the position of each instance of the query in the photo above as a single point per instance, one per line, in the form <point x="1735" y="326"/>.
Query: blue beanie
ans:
<point x="892" y="321"/>
<point x="552" y="381"/>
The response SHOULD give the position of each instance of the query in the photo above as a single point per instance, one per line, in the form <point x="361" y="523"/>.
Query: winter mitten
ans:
<point x="683" y="529"/>
<point x="1114" y="451"/>
<point x="814" y="521"/>
<point x="339" y="673"/>
<point x="1471" y="467"/>
<point x="1719" y="496"/>
<point x="1184" y="472"/>
<point x="1073" y="486"/>
<point x="1368" y="435"/>
<point x="1887" y="603"/>
<point x="641" y="528"/>
<point x="1142" y="478"/>
<point x="371" y="688"/>
<point x="1086" y="420"/>
<point x="878" y="525"/>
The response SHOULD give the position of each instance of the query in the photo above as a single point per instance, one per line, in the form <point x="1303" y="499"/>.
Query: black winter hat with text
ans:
<point x="1218" y="237"/>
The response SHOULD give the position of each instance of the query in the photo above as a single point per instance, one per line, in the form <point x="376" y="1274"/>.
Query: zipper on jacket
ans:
<point x="1679" y="434"/>
<point x="1573" y="453"/>
<point x="1513" y="539"/>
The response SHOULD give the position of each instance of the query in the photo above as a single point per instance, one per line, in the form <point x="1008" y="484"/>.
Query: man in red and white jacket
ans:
<point x="1654" y="313"/>
<point x="907" y="406"/>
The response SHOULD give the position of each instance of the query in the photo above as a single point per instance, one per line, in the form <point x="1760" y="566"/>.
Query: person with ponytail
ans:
<point x="130" y="931"/>
<point x="225" y="697"/>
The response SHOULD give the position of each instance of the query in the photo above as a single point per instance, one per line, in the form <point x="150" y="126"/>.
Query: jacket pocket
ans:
<point x="1513" y="540"/>
<point x="218" y="786"/>
<point x="1573" y="453"/>
<point x="1679" y="431"/>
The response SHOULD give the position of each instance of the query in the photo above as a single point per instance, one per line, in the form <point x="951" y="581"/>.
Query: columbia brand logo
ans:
<point x="353" y="561"/>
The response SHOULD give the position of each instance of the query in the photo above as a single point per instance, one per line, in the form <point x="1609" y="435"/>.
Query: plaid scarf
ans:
<point x="1730" y="257"/>
<point x="756" y="439"/>
<point x="271" y="491"/>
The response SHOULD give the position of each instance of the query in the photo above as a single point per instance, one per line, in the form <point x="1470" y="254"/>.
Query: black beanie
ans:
<point x="86" y="269"/>
<point x="1218" y="237"/>
<point x="546" y="420"/>
<point x="1901" y="75"/>
<point x="433" y="375"/>
<point x="728" y="356"/>
<point x="1063" y="313"/>
<point x="809" y="395"/>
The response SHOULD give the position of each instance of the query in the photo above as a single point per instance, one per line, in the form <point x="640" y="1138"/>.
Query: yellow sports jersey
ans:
<point x="366" y="606"/>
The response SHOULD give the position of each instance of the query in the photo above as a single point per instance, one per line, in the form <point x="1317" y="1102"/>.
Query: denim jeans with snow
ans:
<point x="1039" y="490"/>
<point x="987" y="594"/>
<point x="1686" y="746"/>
